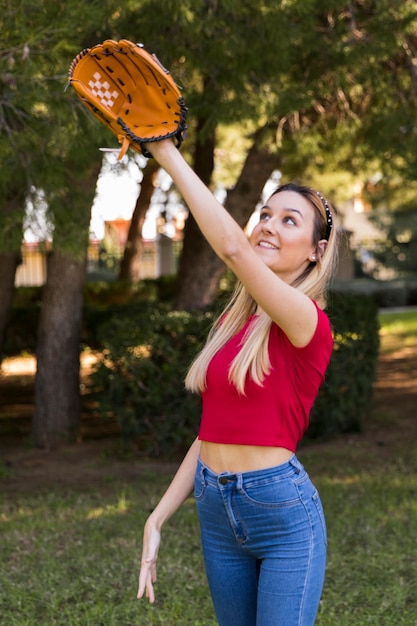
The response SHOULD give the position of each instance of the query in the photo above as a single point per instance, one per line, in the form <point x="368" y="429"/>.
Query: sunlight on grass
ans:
<point x="80" y="566"/>
<point x="110" y="509"/>
<point x="398" y="330"/>
<point x="404" y="322"/>
<point x="71" y="557"/>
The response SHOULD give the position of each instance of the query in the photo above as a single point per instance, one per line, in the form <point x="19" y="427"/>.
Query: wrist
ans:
<point x="158" y="148"/>
<point x="155" y="520"/>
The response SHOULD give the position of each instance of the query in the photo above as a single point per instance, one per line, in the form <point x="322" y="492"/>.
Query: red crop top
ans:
<point x="277" y="413"/>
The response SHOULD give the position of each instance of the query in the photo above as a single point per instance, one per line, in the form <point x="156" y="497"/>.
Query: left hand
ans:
<point x="147" y="574"/>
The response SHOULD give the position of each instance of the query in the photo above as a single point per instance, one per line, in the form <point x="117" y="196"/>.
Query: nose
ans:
<point x="268" y="227"/>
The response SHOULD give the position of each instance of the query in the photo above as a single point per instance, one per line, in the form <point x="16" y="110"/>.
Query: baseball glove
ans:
<point x="129" y="91"/>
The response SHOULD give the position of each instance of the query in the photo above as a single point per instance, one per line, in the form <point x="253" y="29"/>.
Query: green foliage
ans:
<point x="205" y="44"/>
<point x="139" y="380"/>
<point x="398" y="249"/>
<point x="328" y="77"/>
<point x="21" y="330"/>
<point x="101" y="293"/>
<point x="398" y="330"/>
<point x="45" y="141"/>
<point x="319" y="74"/>
<point x="147" y="350"/>
<point x="101" y="301"/>
<point x="346" y="396"/>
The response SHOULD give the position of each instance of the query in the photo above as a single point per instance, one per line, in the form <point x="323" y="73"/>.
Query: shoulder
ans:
<point x="322" y="339"/>
<point x="323" y="321"/>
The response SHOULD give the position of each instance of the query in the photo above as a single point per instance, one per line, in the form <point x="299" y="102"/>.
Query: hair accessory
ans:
<point x="329" y="218"/>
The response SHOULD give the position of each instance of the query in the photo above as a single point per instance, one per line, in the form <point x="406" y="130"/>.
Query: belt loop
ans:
<point x="239" y="482"/>
<point x="201" y="470"/>
<point x="296" y="464"/>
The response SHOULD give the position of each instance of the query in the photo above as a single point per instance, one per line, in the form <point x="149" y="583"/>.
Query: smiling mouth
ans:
<point x="267" y="245"/>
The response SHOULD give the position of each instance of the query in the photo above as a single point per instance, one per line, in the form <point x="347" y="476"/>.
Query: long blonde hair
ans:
<point x="253" y="357"/>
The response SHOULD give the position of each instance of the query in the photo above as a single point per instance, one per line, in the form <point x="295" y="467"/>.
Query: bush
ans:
<point x="21" y="330"/>
<point x="147" y="350"/>
<point x="101" y="293"/>
<point x="346" y="396"/>
<point x="140" y="378"/>
<point x="100" y="297"/>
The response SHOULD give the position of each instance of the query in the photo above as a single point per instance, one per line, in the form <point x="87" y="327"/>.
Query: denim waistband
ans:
<point x="291" y="466"/>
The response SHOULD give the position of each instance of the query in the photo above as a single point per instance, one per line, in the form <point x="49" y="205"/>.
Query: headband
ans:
<point x="329" y="218"/>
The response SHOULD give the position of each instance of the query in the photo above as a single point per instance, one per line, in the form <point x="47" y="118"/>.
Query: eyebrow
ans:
<point x="291" y="210"/>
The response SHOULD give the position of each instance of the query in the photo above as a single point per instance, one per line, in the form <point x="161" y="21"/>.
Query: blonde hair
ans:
<point x="253" y="357"/>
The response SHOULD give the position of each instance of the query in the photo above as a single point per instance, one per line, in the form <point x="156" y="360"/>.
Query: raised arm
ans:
<point x="178" y="491"/>
<point x="289" y="308"/>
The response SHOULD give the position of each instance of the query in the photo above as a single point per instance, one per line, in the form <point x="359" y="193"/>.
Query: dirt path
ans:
<point x="392" y="426"/>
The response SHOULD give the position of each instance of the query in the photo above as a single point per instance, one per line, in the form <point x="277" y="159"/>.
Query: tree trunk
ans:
<point x="56" y="417"/>
<point x="8" y="263"/>
<point x="204" y="151"/>
<point x="132" y="255"/>
<point x="200" y="269"/>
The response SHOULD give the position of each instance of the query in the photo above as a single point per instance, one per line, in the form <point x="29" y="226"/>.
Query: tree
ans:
<point x="67" y="173"/>
<point x="205" y="45"/>
<point x="56" y="416"/>
<point x="19" y="136"/>
<point x="49" y="144"/>
<point x="130" y="269"/>
<point x="327" y="77"/>
<point x="9" y="259"/>
<point x="321" y="86"/>
<point x="198" y="282"/>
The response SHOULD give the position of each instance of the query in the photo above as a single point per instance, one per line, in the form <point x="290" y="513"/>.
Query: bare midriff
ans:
<point x="222" y="457"/>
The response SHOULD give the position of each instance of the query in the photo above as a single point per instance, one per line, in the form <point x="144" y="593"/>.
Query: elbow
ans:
<point x="234" y="250"/>
<point x="231" y="255"/>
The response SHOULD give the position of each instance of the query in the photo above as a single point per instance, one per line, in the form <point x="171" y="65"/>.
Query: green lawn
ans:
<point x="398" y="329"/>
<point x="70" y="557"/>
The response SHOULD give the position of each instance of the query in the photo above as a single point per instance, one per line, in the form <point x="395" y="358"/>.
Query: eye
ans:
<point x="263" y="215"/>
<point x="288" y="219"/>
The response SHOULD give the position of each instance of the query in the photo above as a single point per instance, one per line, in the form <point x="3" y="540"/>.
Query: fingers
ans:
<point x="147" y="574"/>
<point x="147" y="577"/>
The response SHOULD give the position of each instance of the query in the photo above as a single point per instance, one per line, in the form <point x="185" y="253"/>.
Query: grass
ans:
<point x="70" y="556"/>
<point x="371" y="518"/>
<point x="398" y="330"/>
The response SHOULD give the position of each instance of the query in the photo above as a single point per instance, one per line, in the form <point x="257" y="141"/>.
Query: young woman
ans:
<point x="262" y="524"/>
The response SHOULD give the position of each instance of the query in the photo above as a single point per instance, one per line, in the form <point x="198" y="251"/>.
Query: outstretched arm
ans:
<point x="178" y="491"/>
<point x="289" y="308"/>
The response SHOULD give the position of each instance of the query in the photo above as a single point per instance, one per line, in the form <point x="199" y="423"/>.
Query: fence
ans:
<point x="31" y="271"/>
<point x="159" y="258"/>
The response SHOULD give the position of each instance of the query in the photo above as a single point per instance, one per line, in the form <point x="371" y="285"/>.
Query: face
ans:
<point x="283" y="237"/>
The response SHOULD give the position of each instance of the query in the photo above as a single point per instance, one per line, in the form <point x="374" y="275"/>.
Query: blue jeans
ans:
<point x="264" y="543"/>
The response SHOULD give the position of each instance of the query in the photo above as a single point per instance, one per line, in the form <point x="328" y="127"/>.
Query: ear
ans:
<point x="320" y="250"/>
<point x="321" y="247"/>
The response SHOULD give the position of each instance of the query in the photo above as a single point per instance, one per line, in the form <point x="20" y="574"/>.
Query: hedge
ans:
<point x="346" y="395"/>
<point x="147" y="349"/>
<point x="139" y="379"/>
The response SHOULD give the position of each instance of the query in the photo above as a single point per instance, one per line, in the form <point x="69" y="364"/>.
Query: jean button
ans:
<point x="223" y="480"/>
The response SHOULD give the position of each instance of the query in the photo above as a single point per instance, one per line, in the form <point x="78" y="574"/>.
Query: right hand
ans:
<point x="161" y="149"/>
<point x="147" y="574"/>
